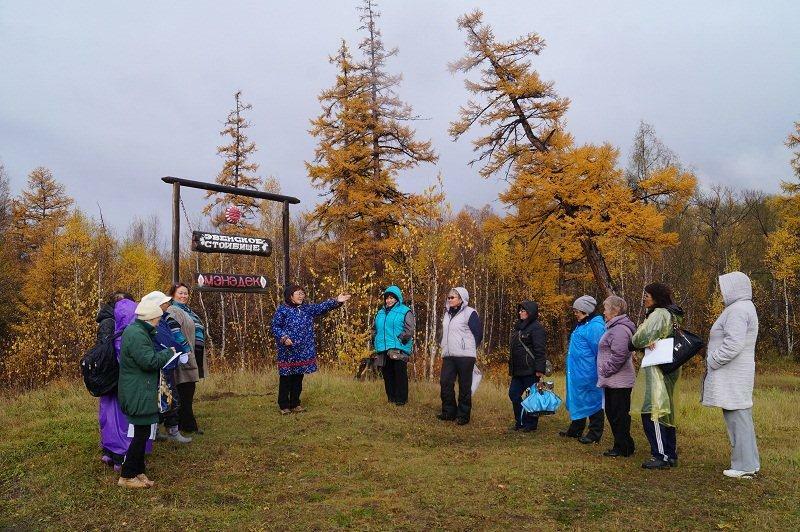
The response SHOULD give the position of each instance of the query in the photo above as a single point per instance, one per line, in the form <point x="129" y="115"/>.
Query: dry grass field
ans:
<point x="353" y="461"/>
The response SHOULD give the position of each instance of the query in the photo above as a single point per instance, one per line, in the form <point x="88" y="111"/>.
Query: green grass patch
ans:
<point x="355" y="462"/>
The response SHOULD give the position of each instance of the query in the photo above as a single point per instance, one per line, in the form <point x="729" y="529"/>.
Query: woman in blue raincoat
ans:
<point x="293" y="328"/>
<point x="584" y="398"/>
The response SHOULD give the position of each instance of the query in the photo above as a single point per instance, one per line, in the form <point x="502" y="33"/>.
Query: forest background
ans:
<point x="576" y="218"/>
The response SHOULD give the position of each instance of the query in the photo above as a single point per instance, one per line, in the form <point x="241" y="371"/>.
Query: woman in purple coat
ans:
<point x="114" y="439"/>
<point x="616" y="374"/>
<point x="293" y="328"/>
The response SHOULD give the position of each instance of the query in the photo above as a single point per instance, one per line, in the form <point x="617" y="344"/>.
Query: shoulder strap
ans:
<point x="525" y="347"/>
<point x="674" y="320"/>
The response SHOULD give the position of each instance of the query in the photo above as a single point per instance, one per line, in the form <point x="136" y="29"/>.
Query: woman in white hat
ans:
<point x="139" y="365"/>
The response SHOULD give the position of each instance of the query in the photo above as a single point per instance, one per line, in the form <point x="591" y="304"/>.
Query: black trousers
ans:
<point x="516" y="388"/>
<point x="395" y="380"/>
<point x="199" y="354"/>
<point x="663" y="439"/>
<point x="134" y="458"/>
<point x="595" y="431"/>
<point x="456" y="368"/>
<point x="289" y="389"/>
<point x="618" y="406"/>
<point x="186" y="419"/>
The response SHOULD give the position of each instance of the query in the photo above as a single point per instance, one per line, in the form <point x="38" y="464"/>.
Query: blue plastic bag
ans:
<point x="540" y="403"/>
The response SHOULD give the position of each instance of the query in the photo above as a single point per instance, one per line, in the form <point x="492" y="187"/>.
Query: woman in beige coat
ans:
<point x="187" y="375"/>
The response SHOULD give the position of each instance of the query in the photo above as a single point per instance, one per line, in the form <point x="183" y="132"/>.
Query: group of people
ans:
<point x="600" y="374"/>
<point x="392" y="340"/>
<point x="162" y="336"/>
<point x="158" y="334"/>
<point x="601" y="378"/>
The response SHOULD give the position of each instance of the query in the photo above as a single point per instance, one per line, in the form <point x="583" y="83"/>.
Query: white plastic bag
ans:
<point x="477" y="376"/>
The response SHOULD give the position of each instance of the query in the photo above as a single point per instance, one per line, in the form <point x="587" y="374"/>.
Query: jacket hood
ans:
<point x="675" y="309"/>
<point x="735" y="286"/>
<point x="533" y="310"/>
<point x="124" y="314"/>
<point x="395" y="291"/>
<point x="463" y="293"/>
<point x="105" y="312"/>
<point x="622" y="320"/>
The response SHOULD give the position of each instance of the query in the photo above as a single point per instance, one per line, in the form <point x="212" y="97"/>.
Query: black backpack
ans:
<point x="100" y="368"/>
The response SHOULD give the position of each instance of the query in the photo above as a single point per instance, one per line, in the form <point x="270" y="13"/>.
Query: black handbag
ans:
<point x="687" y="345"/>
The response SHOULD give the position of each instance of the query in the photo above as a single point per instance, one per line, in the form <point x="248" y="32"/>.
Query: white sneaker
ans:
<point x="735" y="473"/>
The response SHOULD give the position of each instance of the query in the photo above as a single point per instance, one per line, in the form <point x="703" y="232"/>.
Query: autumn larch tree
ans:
<point x="556" y="188"/>
<point x="364" y="143"/>
<point x="342" y="167"/>
<point x="40" y="211"/>
<point x="237" y="170"/>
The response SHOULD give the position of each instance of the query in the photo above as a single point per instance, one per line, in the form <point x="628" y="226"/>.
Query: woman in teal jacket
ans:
<point x="393" y="339"/>
<point x="139" y="367"/>
<point x="584" y="398"/>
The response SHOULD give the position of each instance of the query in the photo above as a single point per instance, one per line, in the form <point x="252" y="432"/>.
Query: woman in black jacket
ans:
<point x="526" y="362"/>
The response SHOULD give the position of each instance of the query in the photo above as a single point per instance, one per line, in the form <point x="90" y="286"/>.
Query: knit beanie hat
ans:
<point x="157" y="297"/>
<point x="148" y="310"/>
<point x="288" y="291"/>
<point x="585" y="304"/>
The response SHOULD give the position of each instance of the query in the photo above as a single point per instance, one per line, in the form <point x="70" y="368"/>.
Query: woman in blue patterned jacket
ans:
<point x="293" y="328"/>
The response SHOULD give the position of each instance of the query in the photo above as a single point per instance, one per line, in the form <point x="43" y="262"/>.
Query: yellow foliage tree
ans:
<point x="556" y="188"/>
<point x="363" y="145"/>
<point x="40" y="211"/>
<point x="784" y="244"/>
<point x="139" y="269"/>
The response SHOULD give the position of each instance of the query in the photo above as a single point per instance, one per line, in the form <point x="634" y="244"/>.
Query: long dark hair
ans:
<point x="661" y="294"/>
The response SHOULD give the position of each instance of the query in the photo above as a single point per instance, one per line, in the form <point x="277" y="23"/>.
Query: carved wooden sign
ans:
<point x="231" y="282"/>
<point x="242" y="245"/>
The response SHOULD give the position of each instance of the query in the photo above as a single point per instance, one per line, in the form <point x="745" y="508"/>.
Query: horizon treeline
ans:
<point x="577" y="219"/>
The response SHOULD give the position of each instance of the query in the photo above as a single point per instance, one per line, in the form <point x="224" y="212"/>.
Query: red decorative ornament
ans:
<point x="233" y="215"/>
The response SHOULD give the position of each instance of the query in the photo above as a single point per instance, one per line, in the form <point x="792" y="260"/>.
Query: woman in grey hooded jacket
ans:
<point x="462" y="333"/>
<point x="730" y="371"/>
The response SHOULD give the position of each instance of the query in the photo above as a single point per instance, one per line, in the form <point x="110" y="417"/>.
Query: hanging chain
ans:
<point x="185" y="215"/>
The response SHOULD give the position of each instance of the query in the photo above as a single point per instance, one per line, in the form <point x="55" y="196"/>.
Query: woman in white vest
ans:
<point x="730" y="371"/>
<point x="462" y="332"/>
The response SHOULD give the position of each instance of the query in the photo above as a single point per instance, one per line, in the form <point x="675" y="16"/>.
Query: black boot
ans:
<point x="656" y="463"/>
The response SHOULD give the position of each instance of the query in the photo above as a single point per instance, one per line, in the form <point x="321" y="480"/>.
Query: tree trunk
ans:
<point x="787" y="321"/>
<point x="434" y="324"/>
<point x="598" y="265"/>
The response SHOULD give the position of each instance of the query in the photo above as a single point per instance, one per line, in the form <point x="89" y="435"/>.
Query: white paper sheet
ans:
<point x="173" y="357"/>
<point x="662" y="354"/>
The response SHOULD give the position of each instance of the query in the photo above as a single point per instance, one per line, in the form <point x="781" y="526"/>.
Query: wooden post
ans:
<point x="285" y="243"/>
<point x="176" y="232"/>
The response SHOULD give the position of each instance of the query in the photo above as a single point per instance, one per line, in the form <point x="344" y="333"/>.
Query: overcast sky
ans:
<point x="113" y="95"/>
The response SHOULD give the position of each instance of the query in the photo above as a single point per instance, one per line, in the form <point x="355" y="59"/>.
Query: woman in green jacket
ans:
<point x="139" y="367"/>
<point x="654" y="389"/>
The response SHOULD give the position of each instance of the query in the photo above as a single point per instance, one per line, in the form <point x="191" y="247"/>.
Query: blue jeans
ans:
<point x="515" y="390"/>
